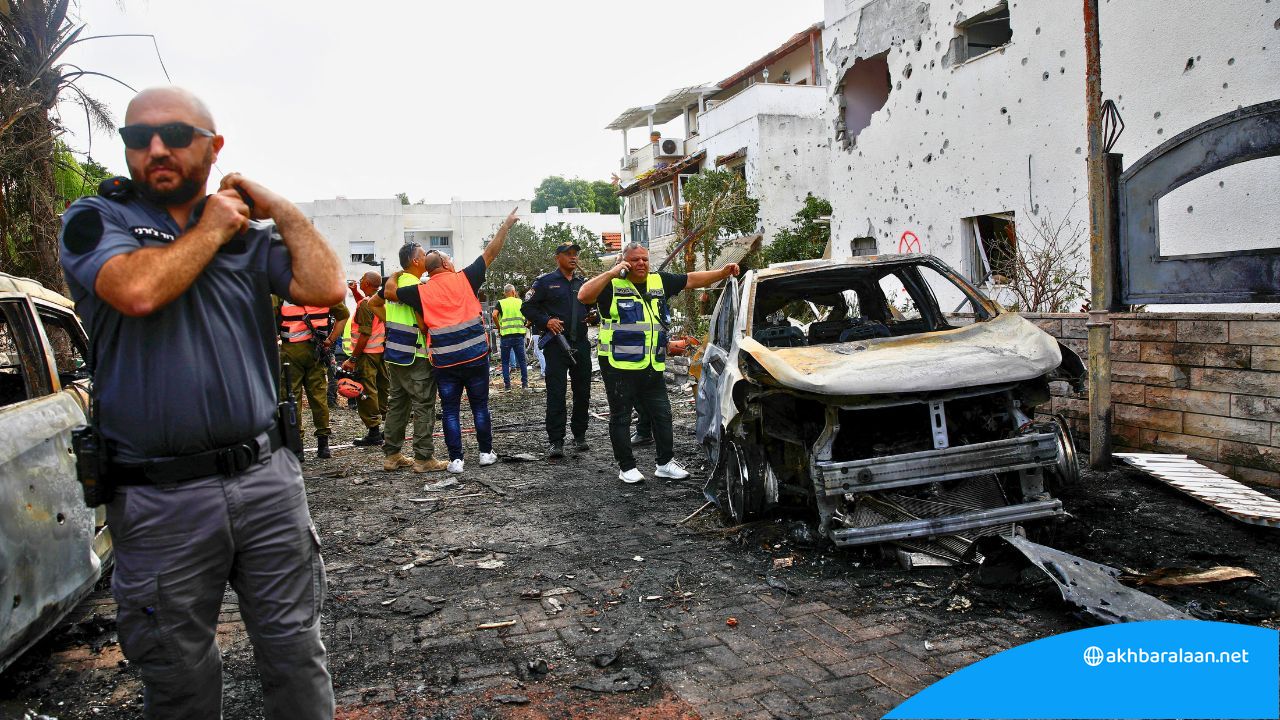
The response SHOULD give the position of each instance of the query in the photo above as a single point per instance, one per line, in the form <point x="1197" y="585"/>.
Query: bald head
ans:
<point x="370" y="282"/>
<point x="171" y="177"/>
<point x="169" y="100"/>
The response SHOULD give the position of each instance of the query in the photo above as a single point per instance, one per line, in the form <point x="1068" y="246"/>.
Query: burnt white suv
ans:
<point x="887" y="394"/>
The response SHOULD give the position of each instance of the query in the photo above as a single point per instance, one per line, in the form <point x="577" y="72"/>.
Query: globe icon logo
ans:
<point x="1093" y="656"/>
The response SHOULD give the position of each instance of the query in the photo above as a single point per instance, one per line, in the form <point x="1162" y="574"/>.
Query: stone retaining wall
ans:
<point x="1203" y="385"/>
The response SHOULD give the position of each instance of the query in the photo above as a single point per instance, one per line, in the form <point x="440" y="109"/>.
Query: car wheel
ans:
<point x="742" y="487"/>
<point x="1066" y="473"/>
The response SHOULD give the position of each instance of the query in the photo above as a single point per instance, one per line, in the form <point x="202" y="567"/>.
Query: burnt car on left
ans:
<point x="53" y="548"/>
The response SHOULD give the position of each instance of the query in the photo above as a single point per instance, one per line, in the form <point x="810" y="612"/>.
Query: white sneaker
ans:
<point x="671" y="470"/>
<point x="631" y="476"/>
<point x="488" y="458"/>
<point x="455" y="466"/>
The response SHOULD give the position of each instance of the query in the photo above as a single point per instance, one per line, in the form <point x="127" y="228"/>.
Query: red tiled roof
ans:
<point x="612" y="241"/>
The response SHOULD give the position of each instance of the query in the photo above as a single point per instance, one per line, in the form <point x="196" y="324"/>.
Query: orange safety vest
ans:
<point x="454" y="320"/>
<point x="378" y="340"/>
<point x="294" y="319"/>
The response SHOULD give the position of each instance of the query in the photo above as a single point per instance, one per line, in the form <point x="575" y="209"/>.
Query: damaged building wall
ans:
<point x="784" y="132"/>
<point x="791" y="164"/>
<point x="1004" y="132"/>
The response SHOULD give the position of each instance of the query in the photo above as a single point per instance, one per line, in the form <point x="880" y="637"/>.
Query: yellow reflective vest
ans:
<point x="632" y="337"/>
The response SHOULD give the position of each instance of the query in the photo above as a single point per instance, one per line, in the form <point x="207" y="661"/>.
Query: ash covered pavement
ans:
<point x="548" y="589"/>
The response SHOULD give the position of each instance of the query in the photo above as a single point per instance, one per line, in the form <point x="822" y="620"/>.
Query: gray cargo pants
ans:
<point x="411" y="390"/>
<point x="177" y="547"/>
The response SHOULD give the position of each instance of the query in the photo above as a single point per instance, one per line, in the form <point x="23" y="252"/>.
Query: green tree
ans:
<point x="594" y="196"/>
<point x="529" y="253"/>
<point x="34" y="35"/>
<point x="403" y="198"/>
<point x="717" y="209"/>
<point x="74" y="179"/>
<point x="606" y="197"/>
<point x="806" y="238"/>
<point x="558" y="192"/>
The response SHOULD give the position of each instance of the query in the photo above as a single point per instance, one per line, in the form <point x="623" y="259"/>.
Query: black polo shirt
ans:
<point x="555" y="297"/>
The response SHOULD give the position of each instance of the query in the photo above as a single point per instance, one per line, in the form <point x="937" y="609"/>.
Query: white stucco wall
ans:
<point x="342" y="221"/>
<point x="468" y="224"/>
<point x="783" y="129"/>
<point x="1006" y="131"/>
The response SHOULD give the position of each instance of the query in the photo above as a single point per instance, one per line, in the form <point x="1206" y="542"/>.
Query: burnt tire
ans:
<point x="742" y="482"/>
<point x="1066" y="473"/>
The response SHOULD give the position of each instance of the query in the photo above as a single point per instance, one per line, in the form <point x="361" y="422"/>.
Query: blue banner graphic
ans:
<point x="1157" y="669"/>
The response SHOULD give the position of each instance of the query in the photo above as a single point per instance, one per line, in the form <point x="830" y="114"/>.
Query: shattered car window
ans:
<point x="852" y="303"/>
<point x="68" y="344"/>
<point x="901" y="303"/>
<point x="13" y="387"/>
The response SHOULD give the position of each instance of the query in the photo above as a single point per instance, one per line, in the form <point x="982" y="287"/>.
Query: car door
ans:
<point x="714" y="366"/>
<point x="48" y="560"/>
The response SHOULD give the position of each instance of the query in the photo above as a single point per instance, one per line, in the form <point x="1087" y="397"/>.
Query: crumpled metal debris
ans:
<point x="1093" y="586"/>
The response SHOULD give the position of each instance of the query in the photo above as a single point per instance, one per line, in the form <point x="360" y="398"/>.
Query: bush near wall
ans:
<point x="1202" y="385"/>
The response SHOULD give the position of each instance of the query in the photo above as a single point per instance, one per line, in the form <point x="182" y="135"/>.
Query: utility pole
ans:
<point x="1099" y="323"/>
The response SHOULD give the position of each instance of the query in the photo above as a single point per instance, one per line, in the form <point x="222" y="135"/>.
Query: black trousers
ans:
<point x="645" y="390"/>
<point x="560" y="373"/>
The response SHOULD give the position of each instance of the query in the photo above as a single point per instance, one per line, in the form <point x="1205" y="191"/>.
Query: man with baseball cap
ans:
<point x="554" y="310"/>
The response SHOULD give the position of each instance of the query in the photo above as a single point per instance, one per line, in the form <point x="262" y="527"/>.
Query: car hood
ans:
<point x="1007" y="348"/>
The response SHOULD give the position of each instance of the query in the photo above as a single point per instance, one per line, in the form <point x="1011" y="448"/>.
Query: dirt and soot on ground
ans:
<point x="548" y="589"/>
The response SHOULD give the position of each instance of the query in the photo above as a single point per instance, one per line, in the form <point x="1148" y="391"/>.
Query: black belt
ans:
<point x="229" y="460"/>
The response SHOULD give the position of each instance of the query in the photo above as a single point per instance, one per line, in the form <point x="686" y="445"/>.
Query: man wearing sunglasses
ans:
<point x="169" y="281"/>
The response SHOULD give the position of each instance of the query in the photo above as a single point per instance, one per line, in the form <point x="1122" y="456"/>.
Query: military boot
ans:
<point x="373" y="438"/>
<point x="322" y="447"/>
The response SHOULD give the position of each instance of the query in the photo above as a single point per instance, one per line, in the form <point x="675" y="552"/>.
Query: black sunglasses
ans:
<point x="174" y="135"/>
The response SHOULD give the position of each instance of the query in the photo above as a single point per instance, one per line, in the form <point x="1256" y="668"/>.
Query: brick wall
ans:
<point x="1202" y="385"/>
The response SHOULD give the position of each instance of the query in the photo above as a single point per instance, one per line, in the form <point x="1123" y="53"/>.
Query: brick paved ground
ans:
<point x="577" y="569"/>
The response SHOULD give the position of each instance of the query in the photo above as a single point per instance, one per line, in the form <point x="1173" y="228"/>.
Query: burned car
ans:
<point x="843" y="386"/>
<point x="53" y="549"/>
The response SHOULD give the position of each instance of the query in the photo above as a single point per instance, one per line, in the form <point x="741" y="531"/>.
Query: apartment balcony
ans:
<point x="649" y="157"/>
<point x="806" y="101"/>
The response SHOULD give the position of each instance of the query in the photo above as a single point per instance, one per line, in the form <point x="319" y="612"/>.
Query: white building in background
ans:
<point x="955" y="129"/>
<point x="765" y="122"/>
<point x="363" y="232"/>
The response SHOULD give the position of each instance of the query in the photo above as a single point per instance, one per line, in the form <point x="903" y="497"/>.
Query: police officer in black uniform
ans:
<point x="554" y="310"/>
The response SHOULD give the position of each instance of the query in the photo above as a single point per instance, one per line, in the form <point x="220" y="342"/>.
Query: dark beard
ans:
<point x="184" y="192"/>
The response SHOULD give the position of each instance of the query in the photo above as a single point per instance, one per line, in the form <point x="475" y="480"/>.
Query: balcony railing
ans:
<point x="663" y="224"/>
<point x="640" y="231"/>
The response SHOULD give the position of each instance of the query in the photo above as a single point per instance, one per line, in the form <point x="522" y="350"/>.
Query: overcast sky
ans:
<point x="475" y="99"/>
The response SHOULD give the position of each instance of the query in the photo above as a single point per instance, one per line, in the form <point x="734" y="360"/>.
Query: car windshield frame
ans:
<point x="983" y="307"/>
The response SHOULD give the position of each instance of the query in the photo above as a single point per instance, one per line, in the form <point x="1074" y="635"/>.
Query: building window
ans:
<point x="439" y="241"/>
<point x="981" y="34"/>
<point x="863" y="246"/>
<point x="863" y="91"/>
<point x="662" y="197"/>
<point x="362" y="251"/>
<point x="993" y="249"/>
<point x="637" y="206"/>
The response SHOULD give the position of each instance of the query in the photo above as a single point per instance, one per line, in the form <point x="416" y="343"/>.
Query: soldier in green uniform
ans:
<point x="303" y="332"/>
<point x="365" y="350"/>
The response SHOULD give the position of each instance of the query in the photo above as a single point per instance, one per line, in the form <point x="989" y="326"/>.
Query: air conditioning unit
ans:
<point x="670" y="147"/>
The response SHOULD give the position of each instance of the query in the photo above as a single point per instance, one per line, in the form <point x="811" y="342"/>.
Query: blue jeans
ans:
<point x="475" y="380"/>
<point x="513" y="345"/>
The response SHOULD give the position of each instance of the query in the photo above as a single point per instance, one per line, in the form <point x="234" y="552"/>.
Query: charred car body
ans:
<point x="53" y="548"/>
<point x="844" y="386"/>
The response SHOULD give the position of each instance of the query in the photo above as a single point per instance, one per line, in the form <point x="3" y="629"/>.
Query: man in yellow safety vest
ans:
<point x="509" y="318"/>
